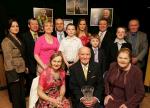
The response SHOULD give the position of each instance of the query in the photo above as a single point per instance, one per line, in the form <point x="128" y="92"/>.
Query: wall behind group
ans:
<point x="23" y="10"/>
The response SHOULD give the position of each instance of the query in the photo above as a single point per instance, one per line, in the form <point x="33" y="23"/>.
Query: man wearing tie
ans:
<point x="106" y="37"/>
<point x="82" y="73"/>
<point x="59" y="29"/>
<point x="29" y="39"/>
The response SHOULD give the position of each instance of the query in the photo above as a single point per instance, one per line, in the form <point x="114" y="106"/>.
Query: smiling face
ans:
<point x="84" y="55"/>
<point x="14" y="28"/>
<point x="56" y="63"/>
<point x="48" y="27"/>
<point x="103" y="25"/>
<point x="33" y="25"/>
<point x="123" y="59"/>
<point x="59" y="24"/>
<point x="121" y="33"/>
<point x="106" y="13"/>
<point x="82" y="25"/>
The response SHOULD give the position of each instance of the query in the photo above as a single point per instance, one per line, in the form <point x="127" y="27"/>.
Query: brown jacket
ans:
<point x="134" y="87"/>
<point x="12" y="51"/>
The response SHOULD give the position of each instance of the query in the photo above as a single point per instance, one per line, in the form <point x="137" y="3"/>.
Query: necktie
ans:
<point x="96" y="55"/>
<point x="101" y="34"/>
<point x="85" y="70"/>
<point x="35" y="36"/>
<point x="60" y="37"/>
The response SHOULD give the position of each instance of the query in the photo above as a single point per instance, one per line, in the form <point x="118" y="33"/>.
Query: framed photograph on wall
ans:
<point x="66" y="22"/>
<point x="101" y="13"/>
<point x="43" y="14"/>
<point x="76" y="7"/>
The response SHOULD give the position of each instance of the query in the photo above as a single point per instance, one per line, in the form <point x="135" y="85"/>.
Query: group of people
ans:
<point x="65" y="61"/>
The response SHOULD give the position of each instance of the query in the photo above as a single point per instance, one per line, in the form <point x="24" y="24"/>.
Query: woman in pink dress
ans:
<point x="45" y="46"/>
<point x="82" y="32"/>
<point x="51" y="88"/>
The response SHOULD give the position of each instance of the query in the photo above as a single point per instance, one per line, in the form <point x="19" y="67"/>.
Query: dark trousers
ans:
<point x="17" y="92"/>
<point x="29" y="77"/>
<point x="67" y="78"/>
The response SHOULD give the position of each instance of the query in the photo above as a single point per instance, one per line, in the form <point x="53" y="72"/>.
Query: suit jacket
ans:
<point x="54" y="33"/>
<point x="105" y="44"/>
<point x="13" y="57"/>
<point x="77" y="81"/>
<point x="29" y="43"/>
<point x="141" y="46"/>
<point x="114" y="50"/>
<point x="101" y="59"/>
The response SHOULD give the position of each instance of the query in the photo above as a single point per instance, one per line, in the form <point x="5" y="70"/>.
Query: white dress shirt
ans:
<point x="119" y="43"/>
<point x="70" y="47"/>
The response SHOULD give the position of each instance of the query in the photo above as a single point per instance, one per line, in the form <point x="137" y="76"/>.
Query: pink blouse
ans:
<point x="47" y="81"/>
<point x="45" y="50"/>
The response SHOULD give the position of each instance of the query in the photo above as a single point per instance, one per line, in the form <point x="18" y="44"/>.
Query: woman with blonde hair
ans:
<point x="45" y="46"/>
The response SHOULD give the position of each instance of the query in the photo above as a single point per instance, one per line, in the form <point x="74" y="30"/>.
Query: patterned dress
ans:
<point x="51" y="87"/>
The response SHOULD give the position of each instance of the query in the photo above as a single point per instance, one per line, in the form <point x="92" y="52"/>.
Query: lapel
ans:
<point x="31" y="38"/>
<point x="115" y="47"/>
<point x="90" y="71"/>
<point x="137" y="40"/>
<point x="17" y="44"/>
<point x="80" y="73"/>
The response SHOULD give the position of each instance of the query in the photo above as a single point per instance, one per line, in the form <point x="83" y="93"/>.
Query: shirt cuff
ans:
<point x="97" y="99"/>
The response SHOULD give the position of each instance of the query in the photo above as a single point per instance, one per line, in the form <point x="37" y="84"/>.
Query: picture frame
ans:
<point x="101" y="13"/>
<point x="76" y="7"/>
<point x="66" y="22"/>
<point x="42" y="14"/>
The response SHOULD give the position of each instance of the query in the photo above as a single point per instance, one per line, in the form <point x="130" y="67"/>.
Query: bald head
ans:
<point x="59" y="24"/>
<point x="84" y="55"/>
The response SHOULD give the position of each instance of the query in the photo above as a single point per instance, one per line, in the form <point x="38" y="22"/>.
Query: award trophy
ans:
<point x="87" y="92"/>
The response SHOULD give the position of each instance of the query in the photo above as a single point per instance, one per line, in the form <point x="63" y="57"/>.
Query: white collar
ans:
<point x="119" y="41"/>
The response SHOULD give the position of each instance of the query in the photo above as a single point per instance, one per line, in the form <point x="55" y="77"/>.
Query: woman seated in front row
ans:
<point x="123" y="83"/>
<point x="51" y="88"/>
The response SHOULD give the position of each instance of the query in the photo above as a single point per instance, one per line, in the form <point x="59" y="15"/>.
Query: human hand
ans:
<point x="107" y="99"/>
<point x="57" y="103"/>
<point x="123" y="106"/>
<point x="89" y="103"/>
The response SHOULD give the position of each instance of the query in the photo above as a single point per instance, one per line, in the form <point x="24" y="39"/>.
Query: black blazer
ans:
<point x="29" y="43"/>
<point x="114" y="50"/>
<point x="77" y="81"/>
<point x="54" y="33"/>
<point x="101" y="58"/>
<point x="108" y="38"/>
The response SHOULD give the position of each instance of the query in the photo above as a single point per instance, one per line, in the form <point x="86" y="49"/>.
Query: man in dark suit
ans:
<point x="59" y="29"/>
<point x="29" y="39"/>
<point x="106" y="37"/>
<point x="82" y="73"/>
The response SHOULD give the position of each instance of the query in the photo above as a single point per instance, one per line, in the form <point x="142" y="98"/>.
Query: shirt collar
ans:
<point x="85" y="65"/>
<point x="119" y="41"/>
<point x="73" y="37"/>
<point x="32" y="32"/>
